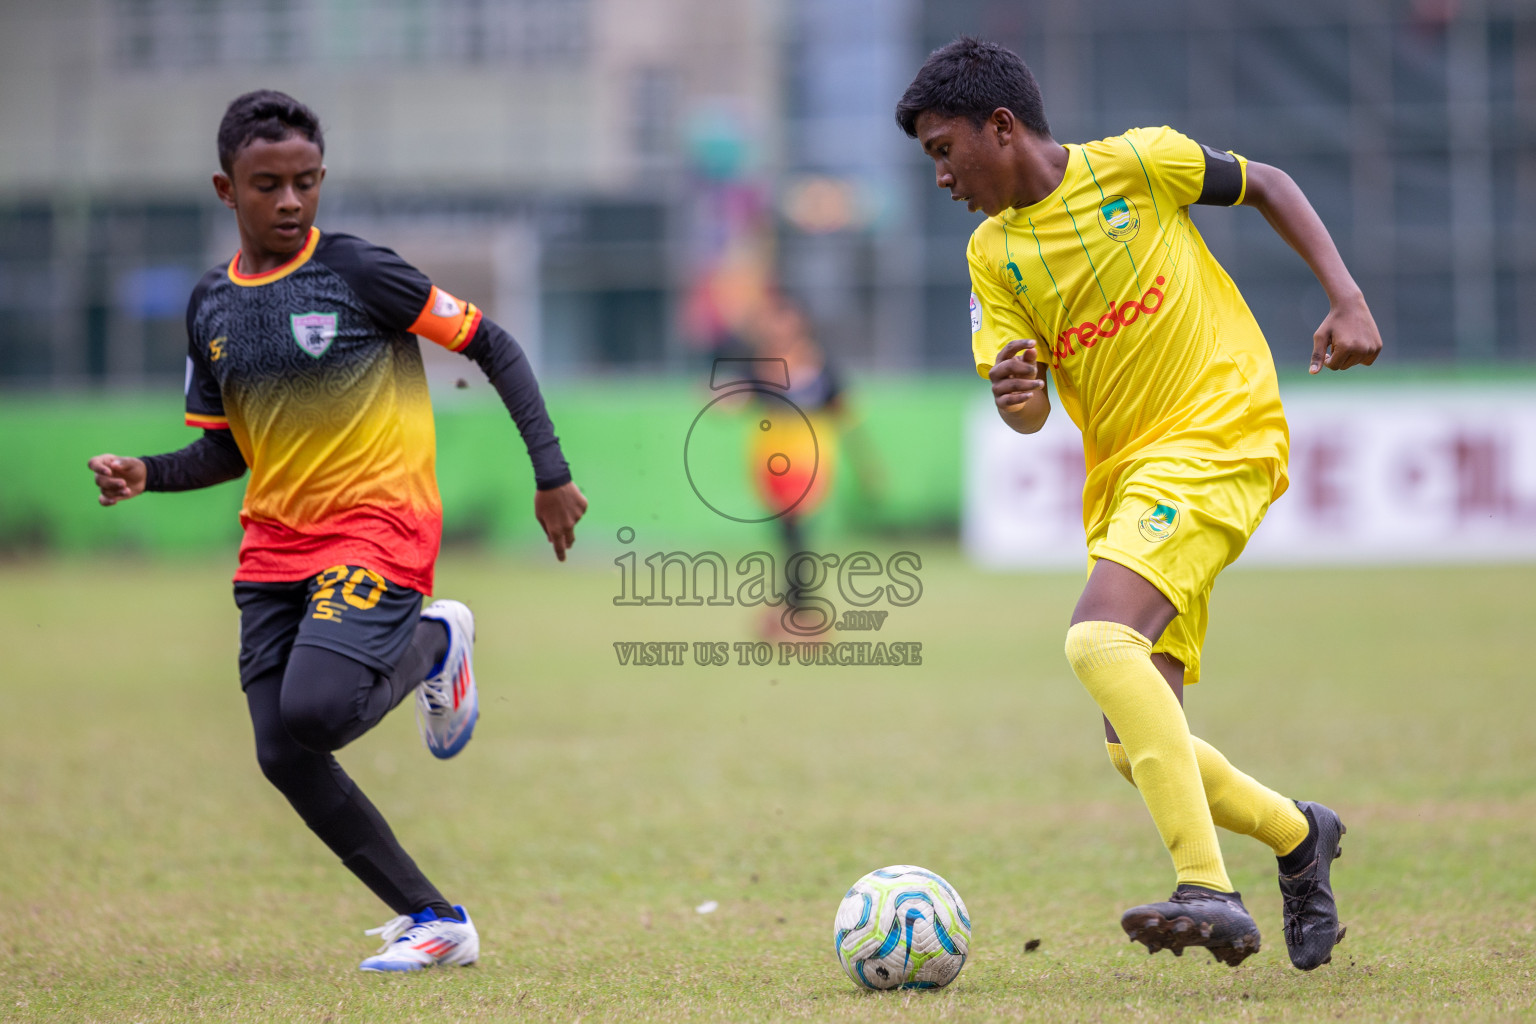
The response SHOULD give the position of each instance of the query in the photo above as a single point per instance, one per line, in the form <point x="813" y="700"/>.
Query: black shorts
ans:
<point x="347" y="609"/>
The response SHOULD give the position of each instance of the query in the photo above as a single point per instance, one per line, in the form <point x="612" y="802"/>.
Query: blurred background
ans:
<point x="624" y="184"/>
<point x="616" y="180"/>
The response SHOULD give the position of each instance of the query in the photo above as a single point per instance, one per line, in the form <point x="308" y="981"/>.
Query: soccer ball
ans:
<point x="902" y="927"/>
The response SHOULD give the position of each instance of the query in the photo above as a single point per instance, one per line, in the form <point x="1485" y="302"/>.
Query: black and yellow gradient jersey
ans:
<point x="313" y="369"/>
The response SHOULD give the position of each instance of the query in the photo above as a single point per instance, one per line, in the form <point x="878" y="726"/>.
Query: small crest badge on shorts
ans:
<point x="1159" y="522"/>
<point x="314" y="331"/>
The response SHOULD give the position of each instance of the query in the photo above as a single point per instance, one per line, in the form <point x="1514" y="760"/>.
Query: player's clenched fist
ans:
<point x="118" y="476"/>
<point x="1016" y="377"/>
<point x="1348" y="337"/>
<point x="1018" y="387"/>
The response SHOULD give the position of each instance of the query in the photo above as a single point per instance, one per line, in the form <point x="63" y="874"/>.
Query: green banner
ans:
<point x="893" y="461"/>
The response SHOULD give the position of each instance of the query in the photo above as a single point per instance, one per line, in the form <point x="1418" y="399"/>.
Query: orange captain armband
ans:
<point x="448" y="321"/>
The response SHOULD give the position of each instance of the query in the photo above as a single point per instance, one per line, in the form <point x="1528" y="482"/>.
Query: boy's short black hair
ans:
<point x="971" y="78"/>
<point x="264" y="114"/>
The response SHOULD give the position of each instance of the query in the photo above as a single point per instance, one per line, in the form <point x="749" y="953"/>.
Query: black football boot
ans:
<point x="1312" y="926"/>
<point x="1194" y="916"/>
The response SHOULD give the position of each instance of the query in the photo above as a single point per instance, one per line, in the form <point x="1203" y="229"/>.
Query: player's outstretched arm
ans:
<point x="211" y="459"/>
<point x="558" y="503"/>
<point x="1018" y="387"/>
<point x="1348" y="334"/>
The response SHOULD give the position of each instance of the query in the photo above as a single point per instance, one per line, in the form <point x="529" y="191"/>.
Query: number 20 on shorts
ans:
<point x="324" y="597"/>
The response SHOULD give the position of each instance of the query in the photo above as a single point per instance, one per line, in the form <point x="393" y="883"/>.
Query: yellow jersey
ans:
<point x="1153" y="350"/>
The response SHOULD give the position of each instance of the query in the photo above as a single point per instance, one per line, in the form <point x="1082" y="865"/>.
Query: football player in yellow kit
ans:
<point x="1089" y="270"/>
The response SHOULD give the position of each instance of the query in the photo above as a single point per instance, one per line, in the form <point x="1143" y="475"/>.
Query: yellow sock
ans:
<point x="1238" y="802"/>
<point x="1114" y="664"/>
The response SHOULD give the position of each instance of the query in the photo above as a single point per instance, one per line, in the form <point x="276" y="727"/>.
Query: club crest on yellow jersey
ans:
<point x="1159" y="522"/>
<point x="1119" y="218"/>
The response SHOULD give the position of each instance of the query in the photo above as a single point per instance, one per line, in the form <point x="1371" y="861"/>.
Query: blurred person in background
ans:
<point x="793" y="470"/>
<point x="1089" y="270"/>
<point x="302" y="366"/>
<point x="796" y="474"/>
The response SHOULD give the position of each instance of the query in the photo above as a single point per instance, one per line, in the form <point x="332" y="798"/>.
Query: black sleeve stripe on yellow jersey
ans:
<point x="391" y="290"/>
<point x="1223" y="179"/>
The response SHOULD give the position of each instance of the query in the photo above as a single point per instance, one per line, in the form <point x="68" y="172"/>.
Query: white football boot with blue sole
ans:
<point x="447" y="702"/>
<point x="413" y="942"/>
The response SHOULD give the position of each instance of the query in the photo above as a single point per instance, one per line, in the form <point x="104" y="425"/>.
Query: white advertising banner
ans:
<point x="1418" y="475"/>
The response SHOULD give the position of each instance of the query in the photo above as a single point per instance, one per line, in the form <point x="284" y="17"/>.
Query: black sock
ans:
<point x="1300" y="857"/>
<point x="444" y="911"/>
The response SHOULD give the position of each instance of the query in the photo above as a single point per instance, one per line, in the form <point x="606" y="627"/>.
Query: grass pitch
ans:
<point x="151" y="874"/>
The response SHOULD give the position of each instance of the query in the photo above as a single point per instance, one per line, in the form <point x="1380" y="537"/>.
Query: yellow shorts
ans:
<point x="1178" y="521"/>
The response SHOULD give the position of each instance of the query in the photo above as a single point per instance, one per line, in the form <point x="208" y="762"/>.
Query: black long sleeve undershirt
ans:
<point x="211" y="459"/>
<point x="501" y="358"/>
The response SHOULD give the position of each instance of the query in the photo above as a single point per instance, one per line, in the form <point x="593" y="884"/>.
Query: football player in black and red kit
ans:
<point x="304" y="367"/>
